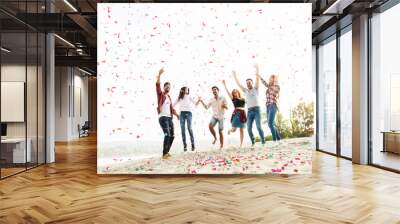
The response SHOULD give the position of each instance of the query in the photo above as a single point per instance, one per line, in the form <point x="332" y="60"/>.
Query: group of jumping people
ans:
<point x="239" y="118"/>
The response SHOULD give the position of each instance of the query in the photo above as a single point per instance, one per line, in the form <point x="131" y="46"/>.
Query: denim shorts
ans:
<point x="220" y="122"/>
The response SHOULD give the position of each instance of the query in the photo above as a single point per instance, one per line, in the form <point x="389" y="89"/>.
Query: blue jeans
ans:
<point x="272" y="109"/>
<point x="254" y="114"/>
<point x="168" y="128"/>
<point x="186" y="116"/>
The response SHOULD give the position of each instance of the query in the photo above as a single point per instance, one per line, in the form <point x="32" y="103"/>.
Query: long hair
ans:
<point x="238" y="94"/>
<point x="274" y="80"/>
<point x="182" y="93"/>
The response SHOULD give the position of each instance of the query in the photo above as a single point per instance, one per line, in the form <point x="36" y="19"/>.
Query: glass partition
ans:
<point x="22" y="77"/>
<point x="41" y="97"/>
<point x="14" y="155"/>
<point x="346" y="93"/>
<point x="32" y="95"/>
<point x="327" y="95"/>
<point x="385" y="89"/>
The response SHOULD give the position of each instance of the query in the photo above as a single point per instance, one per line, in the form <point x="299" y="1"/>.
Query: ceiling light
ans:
<point x="84" y="71"/>
<point x="5" y="50"/>
<point x="70" y="5"/>
<point x="64" y="40"/>
<point x="338" y="6"/>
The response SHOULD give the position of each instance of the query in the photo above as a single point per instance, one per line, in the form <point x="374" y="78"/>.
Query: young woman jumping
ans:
<point x="186" y="104"/>
<point x="238" y="119"/>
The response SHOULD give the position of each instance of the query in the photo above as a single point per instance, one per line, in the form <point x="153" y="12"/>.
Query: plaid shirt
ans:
<point x="272" y="93"/>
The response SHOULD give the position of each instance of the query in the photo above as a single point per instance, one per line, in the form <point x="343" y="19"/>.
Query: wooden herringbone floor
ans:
<point x="70" y="191"/>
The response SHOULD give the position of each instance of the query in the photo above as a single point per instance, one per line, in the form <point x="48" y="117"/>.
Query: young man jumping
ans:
<point x="253" y="106"/>
<point x="218" y="105"/>
<point x="165" y="112"/>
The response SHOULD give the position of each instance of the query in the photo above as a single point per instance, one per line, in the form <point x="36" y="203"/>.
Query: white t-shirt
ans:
<point x="251" y="97"/>
<point x="166" y="108"/>
<point x="185" y="104"/>
<point x="216" y="105"/>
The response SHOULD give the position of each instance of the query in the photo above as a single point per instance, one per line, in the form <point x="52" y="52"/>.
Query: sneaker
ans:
<point x="193" y="148"/>
<point x="185" y="149"/>
<point x="165" y="156"/>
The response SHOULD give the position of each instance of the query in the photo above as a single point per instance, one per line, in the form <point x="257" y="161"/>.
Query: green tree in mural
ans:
<point x="300" y="124"/>
<point x="283" y="126"/>
<point x="302" y="120"/>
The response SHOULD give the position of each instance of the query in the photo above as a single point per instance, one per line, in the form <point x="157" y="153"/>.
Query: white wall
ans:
<point x="71" y="102"/>
<point x="61" y="103"/>
<point x="80" y="109"/>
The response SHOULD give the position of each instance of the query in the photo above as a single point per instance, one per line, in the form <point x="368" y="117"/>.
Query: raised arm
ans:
<point x="257" y="76"/>
<point x="237" y="81"/>
<point x="262" y="80"/>
<point x="159" y="75"/>
<point x="227" y="91"/>
<point x="158" y="85"/>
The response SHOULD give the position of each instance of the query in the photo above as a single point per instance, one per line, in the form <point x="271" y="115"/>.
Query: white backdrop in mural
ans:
<point x="198" y="45"/>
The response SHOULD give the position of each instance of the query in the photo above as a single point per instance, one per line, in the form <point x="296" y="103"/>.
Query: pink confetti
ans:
<point x="276" y="170"/>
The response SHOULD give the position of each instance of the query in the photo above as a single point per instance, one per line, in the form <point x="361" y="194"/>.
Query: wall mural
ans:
<point x="260" y="52"/>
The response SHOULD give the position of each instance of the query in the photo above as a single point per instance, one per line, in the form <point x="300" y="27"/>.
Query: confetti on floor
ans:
<point x="287" y="157"/>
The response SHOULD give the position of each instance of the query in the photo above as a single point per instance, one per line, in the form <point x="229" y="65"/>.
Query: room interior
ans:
<point x="48" y="100"/>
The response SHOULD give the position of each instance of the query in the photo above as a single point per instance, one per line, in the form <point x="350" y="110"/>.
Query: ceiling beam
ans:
<point x="83" y="61"/>
<point x="86" y="26"/>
